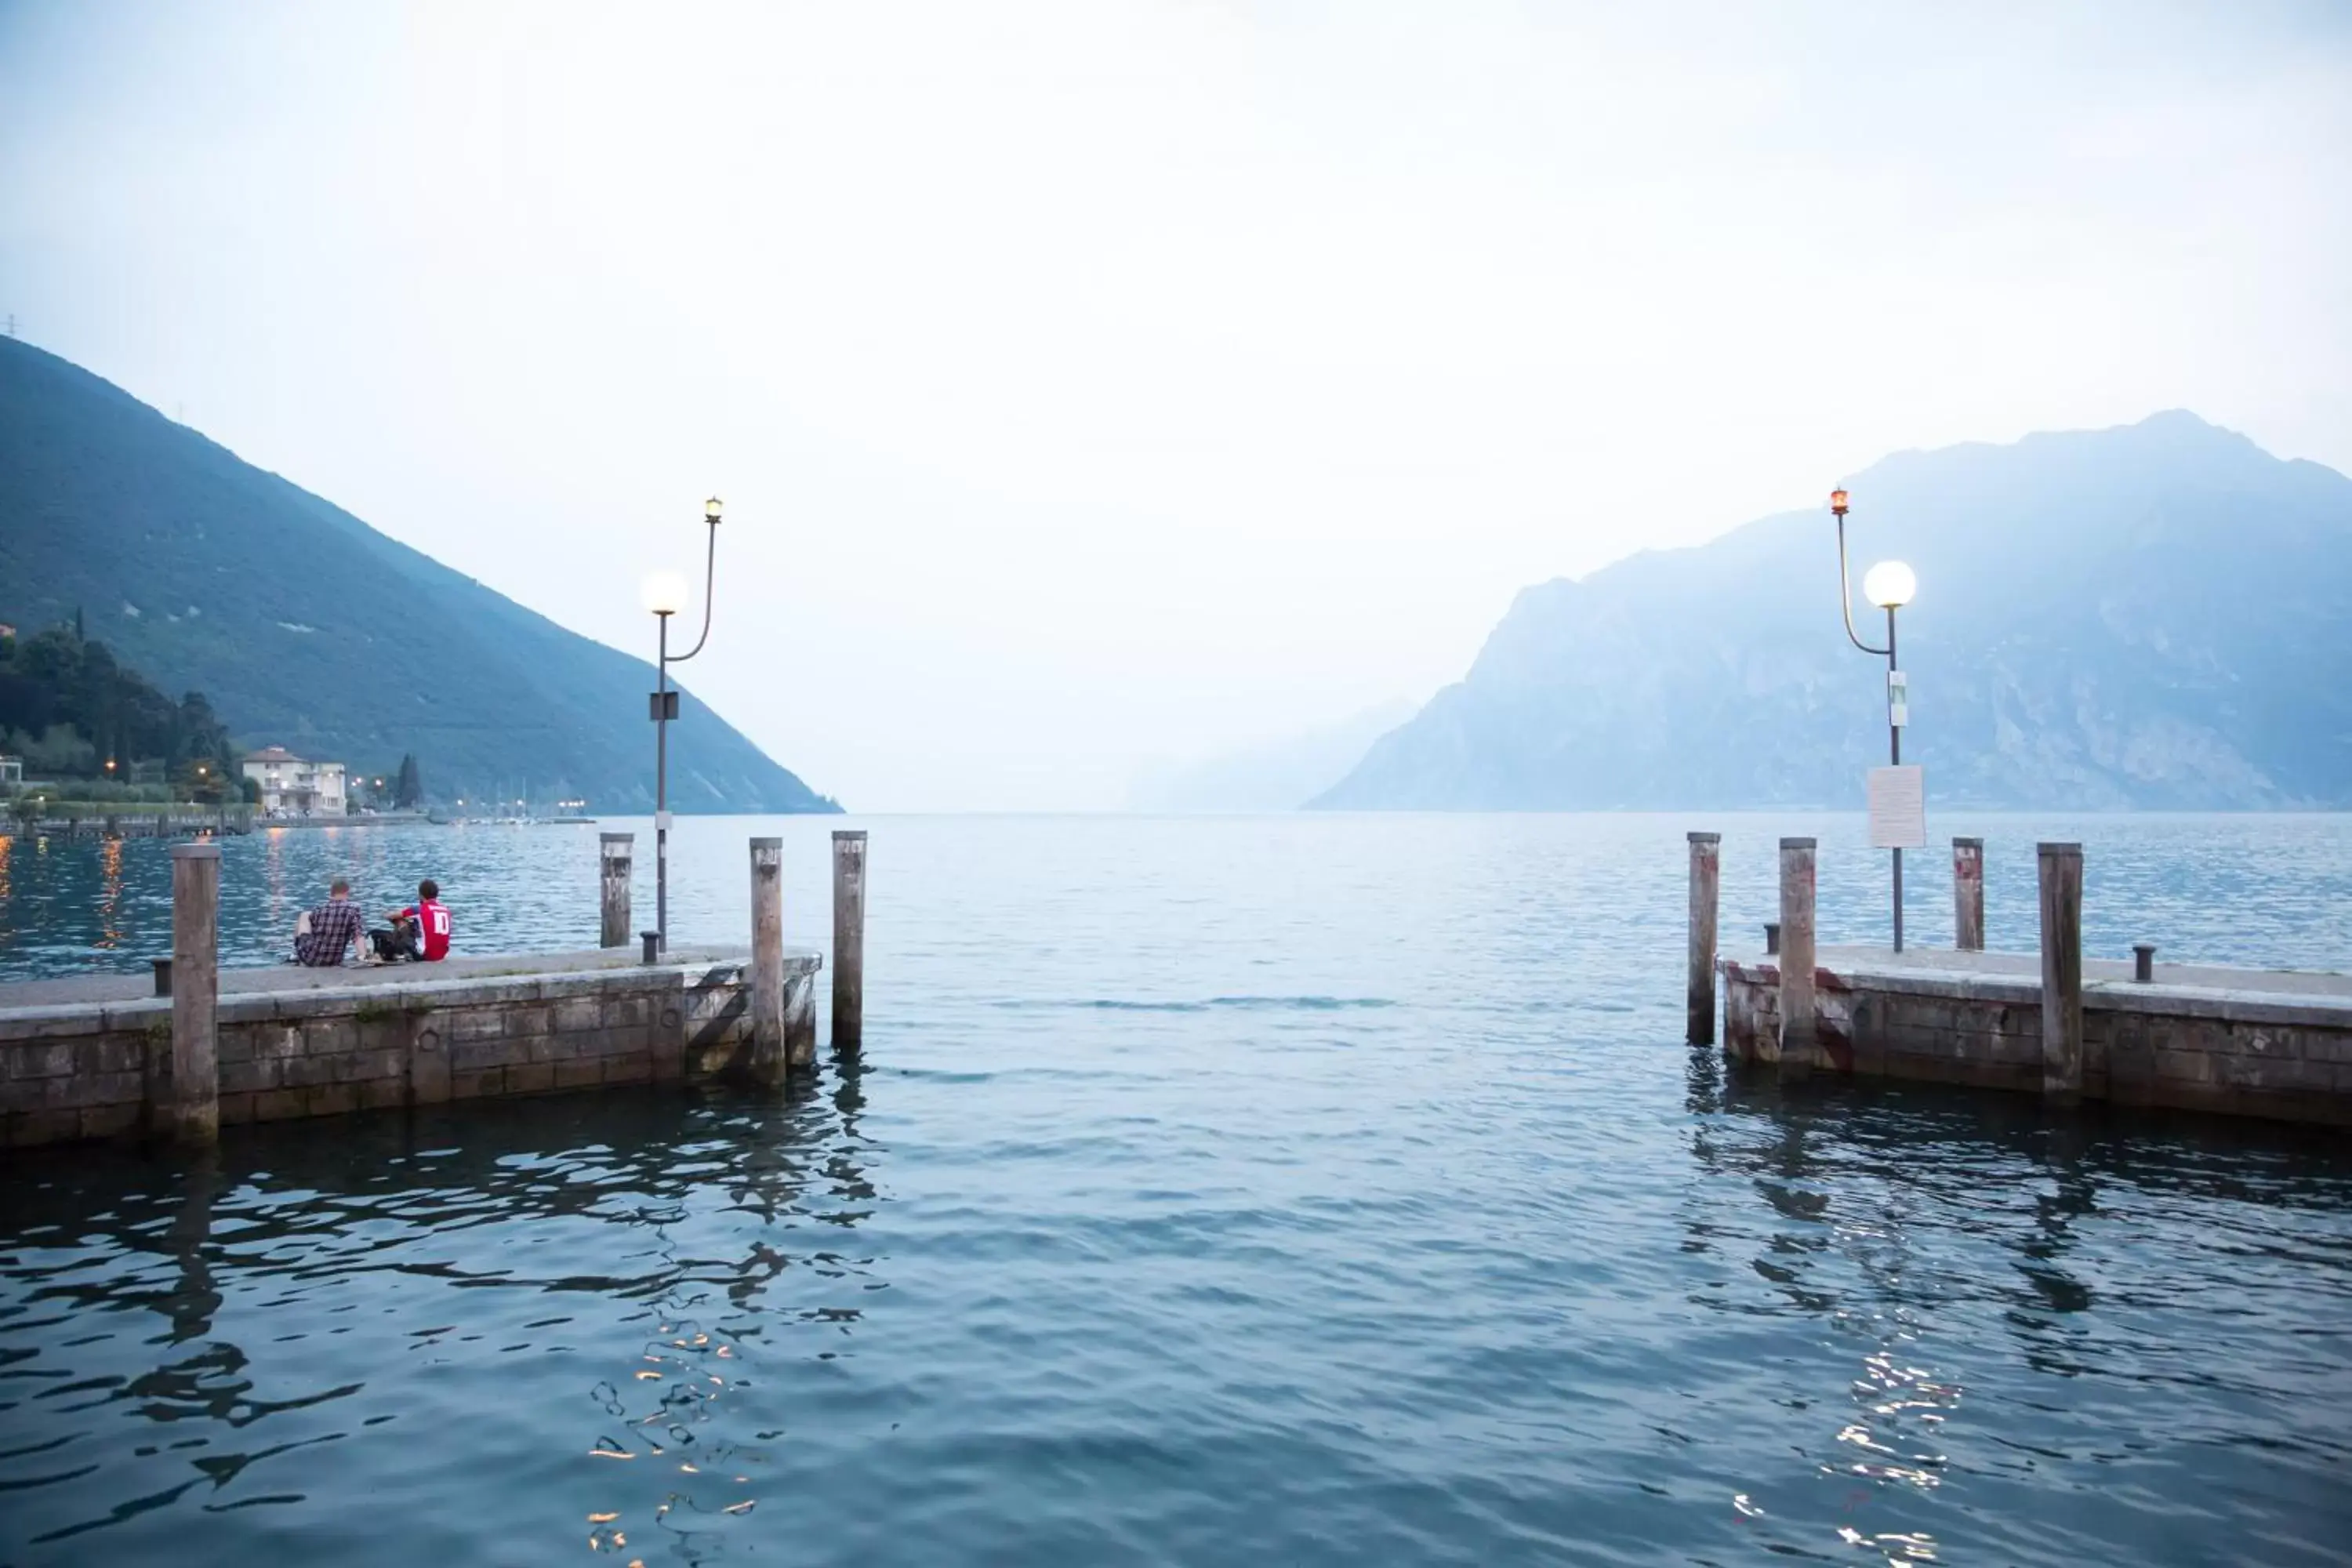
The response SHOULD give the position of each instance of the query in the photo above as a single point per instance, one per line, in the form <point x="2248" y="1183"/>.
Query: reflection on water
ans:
<point x="109" y="895"/>
<point x="284" y="1270"/>
<point x="2138" y="1267"/>
<point x="1086" y="1267"/>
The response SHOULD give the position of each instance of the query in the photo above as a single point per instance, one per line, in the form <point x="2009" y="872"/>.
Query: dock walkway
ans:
<point x="92" y="1055"/>
<point x="126" y="986"/>
<point x="2270" y="1043"/>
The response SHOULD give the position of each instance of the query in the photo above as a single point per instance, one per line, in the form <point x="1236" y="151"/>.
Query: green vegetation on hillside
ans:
<point x="72" y="712"/>
<point x="310" y="630"/>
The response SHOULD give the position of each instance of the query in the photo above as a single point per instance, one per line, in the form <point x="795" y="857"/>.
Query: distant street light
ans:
<point x="1890" y="585"/>
<point x="664" y="595"/>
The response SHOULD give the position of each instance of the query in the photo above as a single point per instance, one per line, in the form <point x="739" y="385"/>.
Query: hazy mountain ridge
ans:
<point x="1273" y="775"/>
<point x="309" y="628"/>
<point x="2149" y="617"/>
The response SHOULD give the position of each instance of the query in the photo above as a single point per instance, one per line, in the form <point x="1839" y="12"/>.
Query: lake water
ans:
<point x="1304" y="1190"/>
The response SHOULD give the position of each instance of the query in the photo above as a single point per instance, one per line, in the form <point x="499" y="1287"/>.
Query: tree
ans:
<point x="56" y="753"/>
<point x="85" y="707"/>
<point x="409" y="791"/>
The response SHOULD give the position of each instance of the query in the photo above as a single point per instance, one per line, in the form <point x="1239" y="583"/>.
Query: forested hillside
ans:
<point x="309" y="629"/>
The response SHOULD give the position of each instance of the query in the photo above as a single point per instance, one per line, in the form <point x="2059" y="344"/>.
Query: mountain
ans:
<point x="309" y="629"/>
<point x="1278" y="775"/>
<point x="2153" y="616"/>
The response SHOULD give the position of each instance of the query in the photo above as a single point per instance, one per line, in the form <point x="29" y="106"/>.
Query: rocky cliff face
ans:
<point x="2154" y="616"/>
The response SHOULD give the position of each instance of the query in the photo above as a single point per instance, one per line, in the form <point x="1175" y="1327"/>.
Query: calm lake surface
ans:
<point x="1320" y="1190"/>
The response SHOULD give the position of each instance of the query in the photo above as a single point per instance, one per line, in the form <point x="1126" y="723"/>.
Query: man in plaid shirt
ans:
<point x="332" y="927"/>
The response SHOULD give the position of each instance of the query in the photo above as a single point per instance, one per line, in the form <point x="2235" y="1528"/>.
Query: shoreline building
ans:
<point x="296" y="786"/>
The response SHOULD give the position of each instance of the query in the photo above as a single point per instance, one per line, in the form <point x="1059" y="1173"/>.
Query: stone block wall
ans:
<point x="102" y="1071"/>
<point x="2195" y="1049"/>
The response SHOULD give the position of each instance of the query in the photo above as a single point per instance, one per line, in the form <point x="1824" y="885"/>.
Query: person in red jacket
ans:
<point x="430" y="916"/>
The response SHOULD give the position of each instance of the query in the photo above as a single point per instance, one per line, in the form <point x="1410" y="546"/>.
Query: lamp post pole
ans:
<point x="1895" y="759"/>
<point x="1889" y="584"/>
<point x="664" y="595"/>
<point x="661" y="783"/>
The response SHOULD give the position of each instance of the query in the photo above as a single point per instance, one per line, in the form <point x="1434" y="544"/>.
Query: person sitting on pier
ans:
<point x="328" y="929"/>
<point x="395" y="943"/>
<point x="421" y="930"/>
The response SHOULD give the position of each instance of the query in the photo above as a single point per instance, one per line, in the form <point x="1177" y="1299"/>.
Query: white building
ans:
<point x="293" y="786"/>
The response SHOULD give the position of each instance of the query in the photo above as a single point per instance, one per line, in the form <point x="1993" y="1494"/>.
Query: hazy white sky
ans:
<point x="1094" y="382"/>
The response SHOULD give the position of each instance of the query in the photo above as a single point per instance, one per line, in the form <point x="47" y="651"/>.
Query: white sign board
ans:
<point x="1898" y="698"/>
<point x="1898" y="808"/>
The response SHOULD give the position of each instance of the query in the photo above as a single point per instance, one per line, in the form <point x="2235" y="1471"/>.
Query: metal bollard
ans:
<point x="1771" y="939"/>
<point x="2144" y="961"/>
<point x="653" y="946"/>
<point x="163" y="975"/>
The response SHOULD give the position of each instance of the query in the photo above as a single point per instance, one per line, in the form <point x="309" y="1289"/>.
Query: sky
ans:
<point x="1099" y="384"/>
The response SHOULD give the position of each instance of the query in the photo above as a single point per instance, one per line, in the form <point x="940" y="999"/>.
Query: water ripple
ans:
<point x="1425" y="1242"/>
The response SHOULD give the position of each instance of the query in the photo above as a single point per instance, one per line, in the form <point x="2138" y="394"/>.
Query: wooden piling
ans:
<point x="1705" y="867"/>
<point x="615" y="855"/>
<point x="192" y="1115"/>
<point x="768" y="1065"/>
<point x="799" y="1023"/>
<point x="2061" y="868"/>
<point x="1799" y="1018"/>
<point x="1968" y="894"/>
<point x="848" y="939"/>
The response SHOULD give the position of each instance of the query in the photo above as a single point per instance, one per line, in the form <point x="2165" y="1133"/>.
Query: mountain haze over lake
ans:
<point x="1273" y="776"/>
<point x="2157" y="615"/>
<point x="310" y="629"/>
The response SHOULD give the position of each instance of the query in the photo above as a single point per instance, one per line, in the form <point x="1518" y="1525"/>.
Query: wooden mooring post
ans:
<point x="2061" y="868"/>
<point x="848" y="939"/>
<point x="615" y="855"/>
<point x="1706" y="880"/>
<point x="1799" y="1025"/>
<point x="194" y="1113"/>
<point x="768" y="1064"/>
<point x="1968" y="894"/>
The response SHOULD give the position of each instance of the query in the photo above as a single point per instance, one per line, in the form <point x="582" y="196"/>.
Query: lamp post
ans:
<point x="1890" y="585"/>
<point x="664" y="595"/>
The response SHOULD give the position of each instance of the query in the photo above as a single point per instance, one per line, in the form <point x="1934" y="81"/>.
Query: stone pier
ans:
<point x="2244" y="1042"/>
<point x="93" y="1057"/>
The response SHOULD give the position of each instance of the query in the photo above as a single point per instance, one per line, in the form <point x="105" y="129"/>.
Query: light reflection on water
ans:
<point x="1311" y="1191"/>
